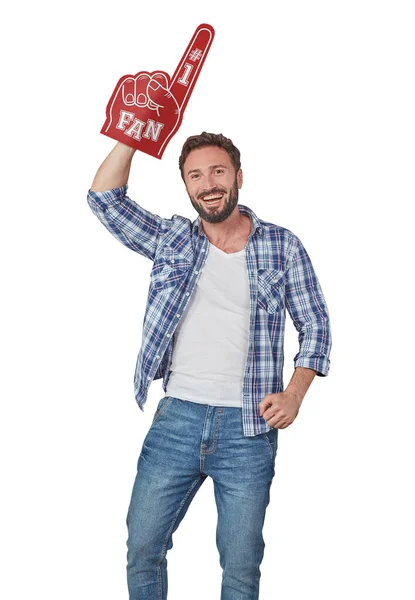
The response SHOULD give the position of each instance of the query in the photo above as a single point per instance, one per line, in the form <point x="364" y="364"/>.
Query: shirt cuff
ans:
<point x="320" y="364"/>
<point x="106" y="199"/>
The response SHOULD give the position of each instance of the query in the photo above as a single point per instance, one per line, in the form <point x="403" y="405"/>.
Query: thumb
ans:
<point x="160" y="95"/>
<point x="156" y="91"/>
<point x="263" y="405"/>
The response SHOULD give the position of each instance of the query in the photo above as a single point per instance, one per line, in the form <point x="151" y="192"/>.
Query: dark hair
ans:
<point x="210" y="139"/>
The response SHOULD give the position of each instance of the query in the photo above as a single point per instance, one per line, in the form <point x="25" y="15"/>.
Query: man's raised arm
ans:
<point x="131" y="224"/>
<point x="115" y="169"/>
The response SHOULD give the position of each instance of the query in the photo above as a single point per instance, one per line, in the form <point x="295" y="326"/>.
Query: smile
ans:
<point x="213" y="199"/>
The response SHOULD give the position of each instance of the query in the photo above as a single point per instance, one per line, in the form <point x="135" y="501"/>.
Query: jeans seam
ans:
<point x="182" y="503"/>
<point x="160" y="583"/>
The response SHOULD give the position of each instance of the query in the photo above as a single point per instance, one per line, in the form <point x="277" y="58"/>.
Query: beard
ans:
<point x="217" y="215"/>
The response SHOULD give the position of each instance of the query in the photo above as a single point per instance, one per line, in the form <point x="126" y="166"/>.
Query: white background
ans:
<point x="319" y="97"/>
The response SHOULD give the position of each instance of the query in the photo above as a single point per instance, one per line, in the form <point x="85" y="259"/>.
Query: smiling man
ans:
<point x="214" y="332"/>
<point x="223" y="181"/>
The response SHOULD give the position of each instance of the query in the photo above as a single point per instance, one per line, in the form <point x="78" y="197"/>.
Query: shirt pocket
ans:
<point x="169" y="269"/>
<point x="271" y="290"/>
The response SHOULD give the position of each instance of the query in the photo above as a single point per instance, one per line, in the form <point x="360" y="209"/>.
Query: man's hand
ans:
<point x="280" y="410"/>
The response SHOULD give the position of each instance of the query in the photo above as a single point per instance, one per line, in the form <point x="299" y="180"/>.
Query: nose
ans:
<point x="210" y="181"/>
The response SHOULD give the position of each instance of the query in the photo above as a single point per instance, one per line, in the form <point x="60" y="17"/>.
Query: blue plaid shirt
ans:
<point x="280" y="275"/>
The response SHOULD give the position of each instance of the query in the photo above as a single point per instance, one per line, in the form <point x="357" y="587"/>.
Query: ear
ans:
<point x="240" y="178"/>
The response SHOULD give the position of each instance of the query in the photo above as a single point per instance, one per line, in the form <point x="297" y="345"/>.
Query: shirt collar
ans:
<point x="255" y="222"/>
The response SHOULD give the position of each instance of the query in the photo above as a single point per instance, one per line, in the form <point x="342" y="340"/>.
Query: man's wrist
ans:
<point x="295" y="395"/>
<point x="129" y="150"/>
<point x="300" y="383"/>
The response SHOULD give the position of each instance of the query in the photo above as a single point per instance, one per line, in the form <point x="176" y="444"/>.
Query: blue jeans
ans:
<point x="186" y="443"/>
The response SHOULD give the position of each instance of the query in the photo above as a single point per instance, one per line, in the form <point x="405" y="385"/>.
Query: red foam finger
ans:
<point x="188" y="69"/>
<point x="146" y="109"/>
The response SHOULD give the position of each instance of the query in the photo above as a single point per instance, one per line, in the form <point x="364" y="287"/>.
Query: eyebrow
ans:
<point x="211" y="167"/>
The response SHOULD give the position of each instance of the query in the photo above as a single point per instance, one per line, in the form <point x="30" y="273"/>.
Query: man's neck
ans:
<point x="235" y="227"/>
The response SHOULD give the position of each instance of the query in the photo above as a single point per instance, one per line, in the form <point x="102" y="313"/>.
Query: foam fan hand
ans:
<point x="146" y="109"/>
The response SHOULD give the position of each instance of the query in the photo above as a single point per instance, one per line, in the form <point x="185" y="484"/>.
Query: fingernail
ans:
<point x="154" y="85"/>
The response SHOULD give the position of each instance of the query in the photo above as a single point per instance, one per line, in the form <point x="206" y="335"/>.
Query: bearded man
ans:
<point x="214" y="332"/>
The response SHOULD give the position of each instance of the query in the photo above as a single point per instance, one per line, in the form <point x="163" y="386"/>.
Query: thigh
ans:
<point x="242" y="469"/>
<point x="166" y="481"/>
<point x="242" y="472"/>
<point x="242" y="482"/>
<point x="241" y="506"/>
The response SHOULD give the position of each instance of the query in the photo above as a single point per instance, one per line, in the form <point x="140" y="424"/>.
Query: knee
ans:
<point x="145" y="550"/>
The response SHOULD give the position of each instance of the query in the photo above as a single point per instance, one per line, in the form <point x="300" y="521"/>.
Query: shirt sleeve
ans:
<point x="131" y="224"/>
<point x="308" y="309"/>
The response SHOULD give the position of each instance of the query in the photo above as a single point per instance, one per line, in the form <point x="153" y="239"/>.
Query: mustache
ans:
<point x="215" y="190"/>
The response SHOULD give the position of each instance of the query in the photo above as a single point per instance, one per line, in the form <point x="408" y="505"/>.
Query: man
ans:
<point x="214" y="330"/>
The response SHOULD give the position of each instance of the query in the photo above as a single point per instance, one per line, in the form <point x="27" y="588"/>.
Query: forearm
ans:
<point x="115" y="169"/>
<point x="300" y="382"/>
<point x="308" y="309"/>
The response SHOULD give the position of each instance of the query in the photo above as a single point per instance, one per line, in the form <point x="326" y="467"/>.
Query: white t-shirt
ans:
<point x="211" y="341"/>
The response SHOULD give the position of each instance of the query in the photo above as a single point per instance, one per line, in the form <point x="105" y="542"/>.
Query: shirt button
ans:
<point x="158" y="356"/>
<point x="148" y="377"/>
<point x="168" y="335"/>
<point x="187" y="293"/>
<point x="196" y="272"/>
<point x="203" y="249"/>
<point x="177" y="316"/>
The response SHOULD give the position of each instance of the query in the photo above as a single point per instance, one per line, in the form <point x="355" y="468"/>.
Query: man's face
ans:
<point x="212" y="183"/>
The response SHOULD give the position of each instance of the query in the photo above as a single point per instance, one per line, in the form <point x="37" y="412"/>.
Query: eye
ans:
<point x="219" y="170"/>
<point x="194" y="176"/>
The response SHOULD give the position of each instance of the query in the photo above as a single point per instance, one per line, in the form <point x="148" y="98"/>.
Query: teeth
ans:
<point x="213" y="197"/>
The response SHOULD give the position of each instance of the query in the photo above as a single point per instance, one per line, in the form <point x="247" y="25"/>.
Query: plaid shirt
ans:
<point x="280" y="276"/>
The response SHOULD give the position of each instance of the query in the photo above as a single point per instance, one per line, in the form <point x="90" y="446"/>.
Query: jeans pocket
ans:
<point x="161" y="408"/>
<point x="271" y="439"/>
